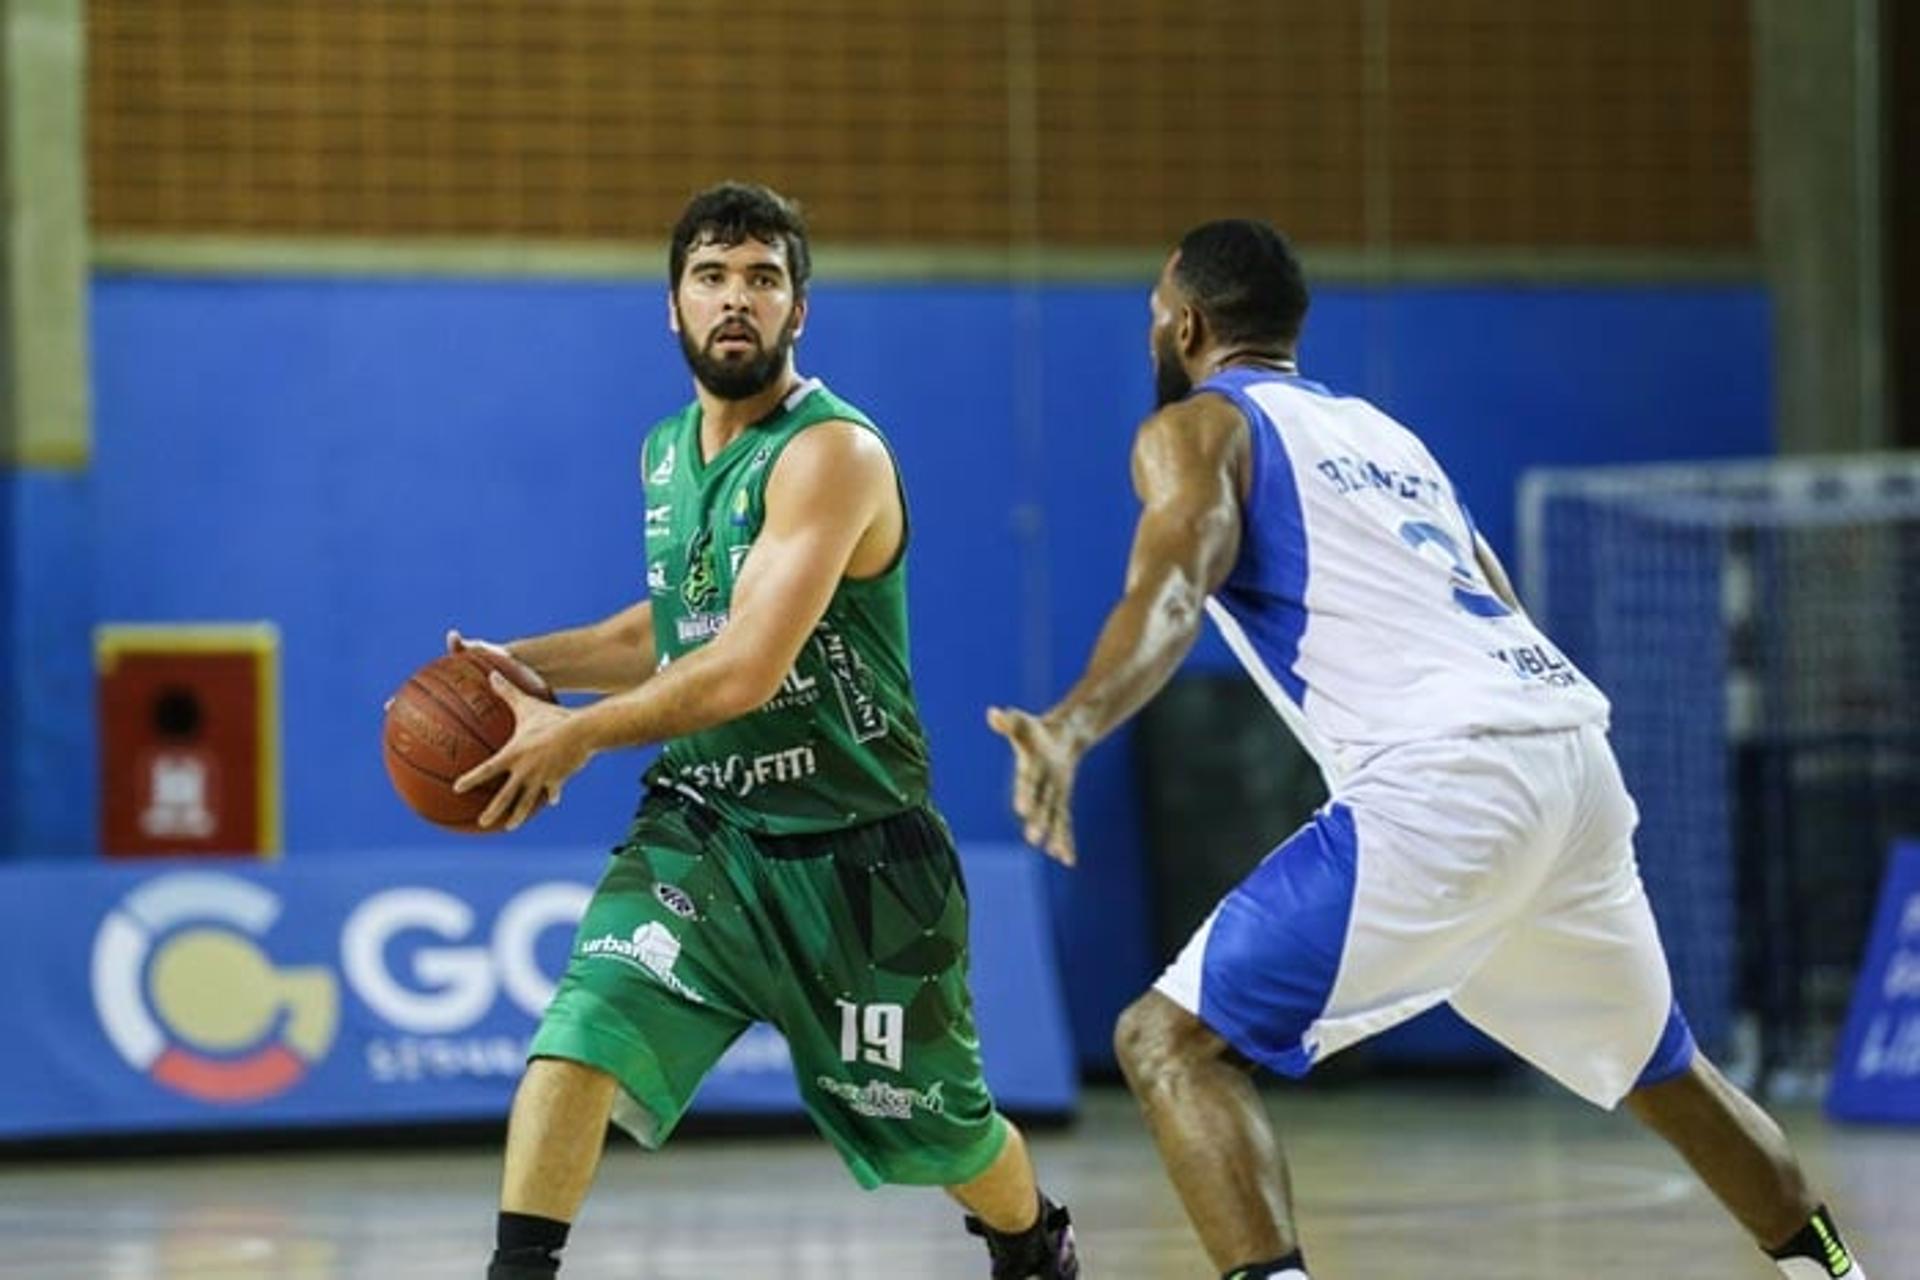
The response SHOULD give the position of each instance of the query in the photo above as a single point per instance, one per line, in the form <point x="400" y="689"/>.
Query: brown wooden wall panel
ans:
<point x="1155" y="115"/>
<point x="1580" y="123"/>
<point x="1593" y="122"/>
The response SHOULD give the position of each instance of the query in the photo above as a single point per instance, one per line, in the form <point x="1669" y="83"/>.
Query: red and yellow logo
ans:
<point x="187" y="995"/>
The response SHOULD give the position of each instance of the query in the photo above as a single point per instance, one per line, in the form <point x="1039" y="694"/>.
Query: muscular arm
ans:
<point x="825" y="495"/>
<point x="1188" y="460"/>
<point x="608" y="656"/>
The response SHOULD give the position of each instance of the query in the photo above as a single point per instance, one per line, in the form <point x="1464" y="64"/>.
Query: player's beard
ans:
<point x="1170" y="380"/>
<point x="744" y="377"/>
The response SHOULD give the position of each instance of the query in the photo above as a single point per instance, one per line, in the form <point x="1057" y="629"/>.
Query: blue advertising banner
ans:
<point x="1877" y="1076"/>
<point x="382" y="989"/>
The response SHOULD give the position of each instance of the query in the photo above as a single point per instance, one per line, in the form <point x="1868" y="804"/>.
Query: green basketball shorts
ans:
<point x="852" y="943"/>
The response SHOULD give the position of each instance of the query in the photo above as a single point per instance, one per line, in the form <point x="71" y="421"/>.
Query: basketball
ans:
<point x="442" y="722"/>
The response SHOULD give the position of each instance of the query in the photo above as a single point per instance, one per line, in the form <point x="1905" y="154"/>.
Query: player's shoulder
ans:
<point x="1202" y="423"/>
<point x="836" y="434"/>
<point x="823" y="404"/>
<point x="834" y="451"/>
<point x="822" y="420"/>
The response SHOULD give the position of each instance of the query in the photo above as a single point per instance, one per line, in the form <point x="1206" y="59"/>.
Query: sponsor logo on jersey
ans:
<point x="662" y="472"/>
<point x="883" y="1101"/>
<point x="656" y="576"/>
<point x="741" y="775"/>
<point x="796" y="691"/>
<point x="865" y="720"/>
<point x="699" y="626"/>
<point x="1538" y="662"/>
<point x="701" y="587"/>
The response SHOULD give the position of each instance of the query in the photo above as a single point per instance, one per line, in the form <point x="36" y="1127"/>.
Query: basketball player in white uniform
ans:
<point x="1477" y="845"/>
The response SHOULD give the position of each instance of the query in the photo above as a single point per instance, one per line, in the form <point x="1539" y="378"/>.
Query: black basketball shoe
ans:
<point x="1044" y="1252"/>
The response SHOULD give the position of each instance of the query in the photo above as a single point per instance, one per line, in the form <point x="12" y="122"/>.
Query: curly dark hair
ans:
<point x="730" y="212"/>
<point x="1244" y="278"/>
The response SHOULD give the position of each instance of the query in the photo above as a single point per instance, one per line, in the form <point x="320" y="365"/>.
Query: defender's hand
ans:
<point x="1045" y="761"/>
<point x="542" y="754"/>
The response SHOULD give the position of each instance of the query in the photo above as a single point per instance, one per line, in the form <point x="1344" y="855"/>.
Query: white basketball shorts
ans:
<point x="1494" y="873"/>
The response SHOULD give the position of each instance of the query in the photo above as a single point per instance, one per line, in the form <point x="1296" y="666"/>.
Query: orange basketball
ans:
<point x="442" y="722"/>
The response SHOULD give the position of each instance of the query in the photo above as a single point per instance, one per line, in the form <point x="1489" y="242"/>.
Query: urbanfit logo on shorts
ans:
<point x="652" y="949"/>
<point x="187" y="995"/>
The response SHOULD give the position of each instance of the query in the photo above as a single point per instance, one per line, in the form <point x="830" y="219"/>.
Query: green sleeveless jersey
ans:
<point x="840" y="744"/>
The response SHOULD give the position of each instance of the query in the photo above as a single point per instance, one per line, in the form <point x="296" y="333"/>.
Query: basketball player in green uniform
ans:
<point x="785" y="865"/>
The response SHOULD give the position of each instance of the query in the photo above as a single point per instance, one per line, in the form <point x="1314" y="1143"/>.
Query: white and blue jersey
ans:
<point x="1476" y="848"/>
<point x="1357" y="602"/>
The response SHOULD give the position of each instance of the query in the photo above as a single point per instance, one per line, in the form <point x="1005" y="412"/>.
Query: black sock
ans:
<point x="1820" y="1241"/>
<point x="527" y="1247"/>
<point x="1255" y="1270"/>
<point x="1029" y="1245"/>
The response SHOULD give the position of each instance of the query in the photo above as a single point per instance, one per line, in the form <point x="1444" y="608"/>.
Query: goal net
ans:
<point x="1757" y="627"/>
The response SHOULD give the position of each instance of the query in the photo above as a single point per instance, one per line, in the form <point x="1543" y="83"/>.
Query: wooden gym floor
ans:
<point x="1404" y="1182"/>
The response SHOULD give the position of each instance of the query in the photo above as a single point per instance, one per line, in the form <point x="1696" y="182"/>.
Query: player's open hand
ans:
<point x="542" y="754"/>
<point x="1044" y="763"/>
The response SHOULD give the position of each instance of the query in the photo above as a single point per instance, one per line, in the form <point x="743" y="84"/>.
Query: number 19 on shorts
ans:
<point x="872" y="1033"/>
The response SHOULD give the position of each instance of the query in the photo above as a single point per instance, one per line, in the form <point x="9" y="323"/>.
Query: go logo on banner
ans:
<point x="436" y="994"/>
<point x="187" y="996"/>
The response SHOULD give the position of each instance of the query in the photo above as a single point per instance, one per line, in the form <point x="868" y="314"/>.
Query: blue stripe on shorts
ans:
<point x="1274" y="949"/>
<point x="1674" y="1053"/>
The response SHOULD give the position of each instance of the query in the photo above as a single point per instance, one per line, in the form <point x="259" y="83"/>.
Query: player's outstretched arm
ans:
<point x="608" y="656"/>
<point x="825" y="493"/>
<point x="1188" y="461"/>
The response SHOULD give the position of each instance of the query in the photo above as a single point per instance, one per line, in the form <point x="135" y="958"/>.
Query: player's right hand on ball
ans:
<point x="457" y="643"/>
